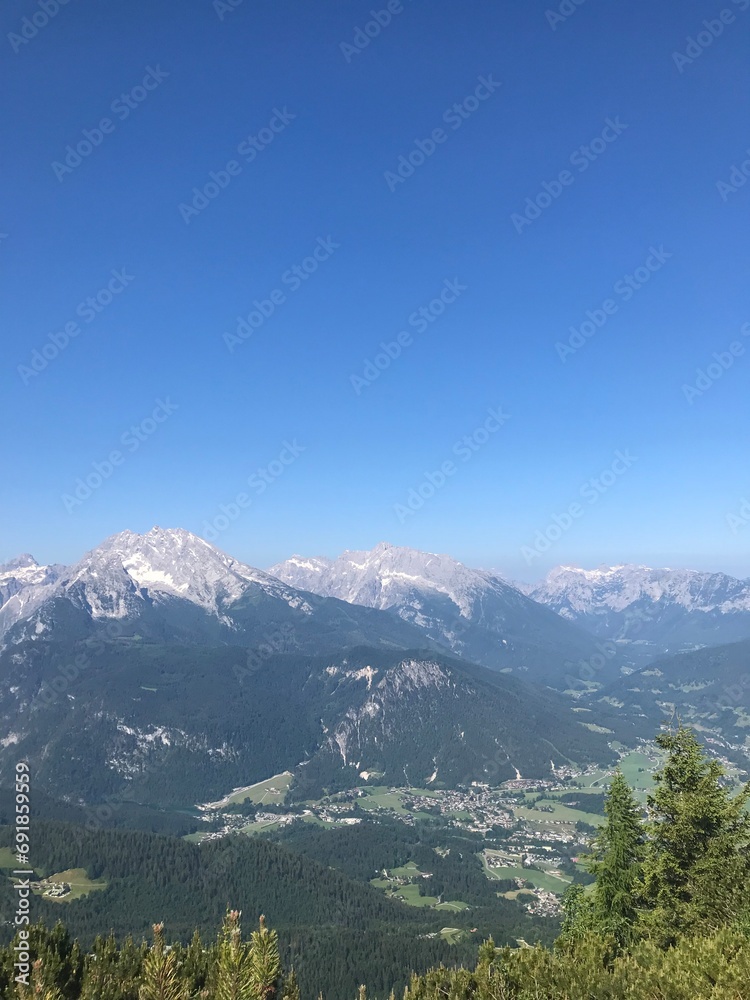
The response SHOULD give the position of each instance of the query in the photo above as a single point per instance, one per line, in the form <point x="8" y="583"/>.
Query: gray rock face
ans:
<point x="128" y="572"/>
<point x="22" y="582"/>
<point x="471" y="612"/>
<point x="389" y="577"/>
<point x="168" y="585"/>
<point x="670" y="608"/>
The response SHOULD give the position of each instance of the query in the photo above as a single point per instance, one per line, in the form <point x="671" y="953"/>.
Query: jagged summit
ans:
<point x="386" y="575"/>
<point x="570" y="589"/>
<point x="170" y="586"/>
<point x="24" y="561"/>
<point x="21" y="580"/>
<point x="670" y="609"/>
<point x="473" y="612"/>
<point x="169" y="561"/>
<point x="128" y="571"/>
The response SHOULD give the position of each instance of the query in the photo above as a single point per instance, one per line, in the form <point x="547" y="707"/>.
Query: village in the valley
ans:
<point x="529" y="832"/>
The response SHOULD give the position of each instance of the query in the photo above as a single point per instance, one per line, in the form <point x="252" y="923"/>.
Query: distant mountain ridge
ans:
<point x="670" y="609"/>
<point x="22" y="575"/>
<point x="171" y="585"/>
<point x="473" y="613"/>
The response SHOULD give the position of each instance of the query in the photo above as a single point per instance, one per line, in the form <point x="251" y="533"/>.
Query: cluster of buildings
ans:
<point x="55" y="890"/>
<point x="544" y="904"/>
<point x="486" y="806"/>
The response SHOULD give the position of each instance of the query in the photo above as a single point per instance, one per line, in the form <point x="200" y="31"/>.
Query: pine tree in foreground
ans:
<point x="161" y="978"/>
<point x="40" y="987"/>
<point x="697" y="866"/>
<point x="616" y="859"/>
<point x="234" y="972"/>
<point x="195" y="966"/>
<point x="291" y="989"/>
<point x="265" y="964"/>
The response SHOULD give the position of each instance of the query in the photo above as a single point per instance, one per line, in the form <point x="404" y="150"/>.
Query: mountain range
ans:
<point x="171" y="586"/>
<point x="179" y="586"/>
<point x="475" y="614"/>
<point x="645" y="612"/>
<point x="162" y="670"/>
<point x="659" y="610"/>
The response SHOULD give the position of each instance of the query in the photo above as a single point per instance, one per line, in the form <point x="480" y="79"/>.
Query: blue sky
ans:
<point x="346" y="457"/>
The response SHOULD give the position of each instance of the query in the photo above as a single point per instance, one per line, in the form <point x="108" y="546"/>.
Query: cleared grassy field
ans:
<point x="272" y="791"/>
<point x="410" y="894"/>
<point x="539" y="879"/>
<point x="80" y="884"/>
<point x="408" y="870"/>
<point x="597" y="779"/>
<point x="427" y="793"/>
<point x="381" y="797"/>
<point x="7" y="858"/>
<point x="451" y="934"/>
<point x="520" y="894"/>
<point x="251" y="828"/>
<point x="638" y="770"/>
<point x="560" y="811"/>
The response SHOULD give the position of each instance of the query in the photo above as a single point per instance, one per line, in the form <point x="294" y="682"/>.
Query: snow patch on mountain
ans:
<point x="117" y="578"/>
<point x="390" y="576"/>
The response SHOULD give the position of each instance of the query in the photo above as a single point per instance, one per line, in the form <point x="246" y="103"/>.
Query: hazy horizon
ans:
<point x="524" y="574"/>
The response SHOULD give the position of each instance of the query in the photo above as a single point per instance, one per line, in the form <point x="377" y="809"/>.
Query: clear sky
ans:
<point x="305" y="128"/>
